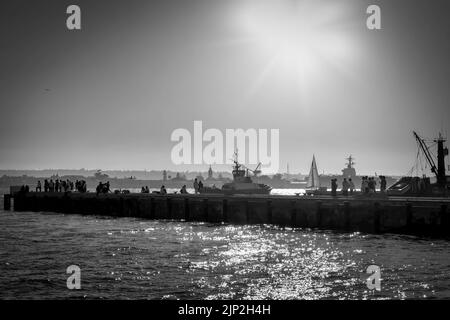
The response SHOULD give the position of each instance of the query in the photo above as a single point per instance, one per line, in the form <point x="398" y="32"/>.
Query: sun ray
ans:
<point x="261" y="78"/>
<point x="304" y="39"/>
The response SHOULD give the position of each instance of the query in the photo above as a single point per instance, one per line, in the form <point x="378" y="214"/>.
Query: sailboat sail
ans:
<point x="313" y="178"/>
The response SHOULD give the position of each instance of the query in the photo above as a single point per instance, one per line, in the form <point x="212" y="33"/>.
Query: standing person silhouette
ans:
<point x="196" y="185"/>
<point x="333" y="187"/>
<point x="345" y="187"/>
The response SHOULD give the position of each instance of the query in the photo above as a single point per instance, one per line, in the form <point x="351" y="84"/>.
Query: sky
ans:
<point x="110" y="95"/>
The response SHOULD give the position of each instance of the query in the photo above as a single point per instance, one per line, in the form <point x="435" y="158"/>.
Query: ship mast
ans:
<point x="350" y="162"/>
<point x="438" y="170"/>
<point x="442" y="152"/>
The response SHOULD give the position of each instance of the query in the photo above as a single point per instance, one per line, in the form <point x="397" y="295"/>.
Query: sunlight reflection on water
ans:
<point x="141" y="259"/>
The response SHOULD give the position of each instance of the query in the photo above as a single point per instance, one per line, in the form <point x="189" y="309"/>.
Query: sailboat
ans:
<point x="313" y="183"/>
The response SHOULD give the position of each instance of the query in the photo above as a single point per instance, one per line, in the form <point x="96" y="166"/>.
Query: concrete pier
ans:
<point x="7" y="202"/>
<point x="420" y="216"/>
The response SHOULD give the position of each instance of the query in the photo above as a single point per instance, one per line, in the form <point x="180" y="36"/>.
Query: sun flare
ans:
<point x="301" y="39"/>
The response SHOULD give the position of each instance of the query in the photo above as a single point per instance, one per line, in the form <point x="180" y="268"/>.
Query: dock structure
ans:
<point x="417" y="216"/>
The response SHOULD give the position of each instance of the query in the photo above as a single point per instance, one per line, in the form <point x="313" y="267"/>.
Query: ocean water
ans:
<point x="130" y="258"/>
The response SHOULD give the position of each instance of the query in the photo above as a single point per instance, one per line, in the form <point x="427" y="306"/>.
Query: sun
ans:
<point x="301" y="39"/>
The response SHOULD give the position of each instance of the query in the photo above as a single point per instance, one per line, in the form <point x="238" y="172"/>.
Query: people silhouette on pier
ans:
<point x="99" y="188"/>
<point x="196" y="185"/>
<point x="351" y="186"/>
<point x="345" y="187"/>
<point x="383" y="184"/>
<point x="333" y="187"/>
<point x="371" y="185"/>
<point x="39" y="186"/>
<point x="80" y="186"/>
<point x="103" y="188"/>
<point x="64" y="186"/>
<point x="183" y="190"/>
<point x="365" y="185"/>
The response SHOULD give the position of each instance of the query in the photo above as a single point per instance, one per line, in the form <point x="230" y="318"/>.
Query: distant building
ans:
<point x="179" y="177"/>
<point x="287" y="176"/>
<point x="99" y="175"/>
<point x="210" y="174"/>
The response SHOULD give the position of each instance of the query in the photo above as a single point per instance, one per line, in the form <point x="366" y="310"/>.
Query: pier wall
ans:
<point x="402" y="216"/>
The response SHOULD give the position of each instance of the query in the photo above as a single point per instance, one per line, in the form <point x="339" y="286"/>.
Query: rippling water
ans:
<point x="128" y="258"/>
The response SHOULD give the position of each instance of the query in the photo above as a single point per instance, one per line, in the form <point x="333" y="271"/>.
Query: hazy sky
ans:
<point x="109" y="96"/>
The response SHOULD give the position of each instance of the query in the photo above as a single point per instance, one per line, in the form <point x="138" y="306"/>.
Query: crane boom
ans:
<point x="427" y="153"/>
<point x="256" y="171"/>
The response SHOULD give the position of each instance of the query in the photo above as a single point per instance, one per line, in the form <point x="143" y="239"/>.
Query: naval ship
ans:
<point x="242" y="182"/>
